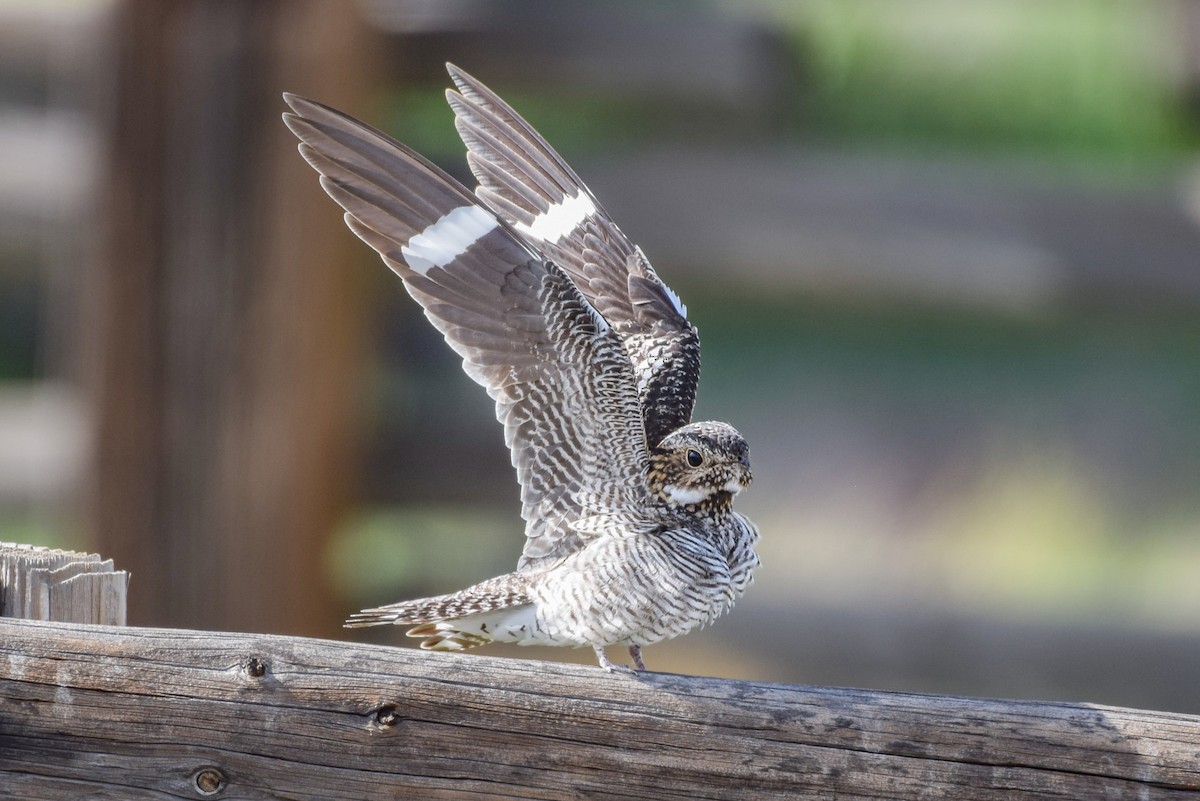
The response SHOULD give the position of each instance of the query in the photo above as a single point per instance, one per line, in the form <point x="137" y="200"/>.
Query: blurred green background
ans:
<point x="945" y="262"/>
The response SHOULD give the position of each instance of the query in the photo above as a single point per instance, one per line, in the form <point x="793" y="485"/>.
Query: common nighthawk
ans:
<point x="630" y="533"/>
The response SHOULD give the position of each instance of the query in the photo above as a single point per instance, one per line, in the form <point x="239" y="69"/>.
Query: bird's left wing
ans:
<point x="559" y="375"/>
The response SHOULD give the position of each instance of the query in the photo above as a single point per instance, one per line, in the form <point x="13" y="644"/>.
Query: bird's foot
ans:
<point x="635" y="652"/>
<point x="608" y="664"/>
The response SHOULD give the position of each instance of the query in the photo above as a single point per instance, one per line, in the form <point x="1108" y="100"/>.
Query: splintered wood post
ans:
<point x="129" y="713"/>
<point x="65" y="586"/>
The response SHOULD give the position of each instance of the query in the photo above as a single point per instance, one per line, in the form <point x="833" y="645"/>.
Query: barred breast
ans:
<point x="741" y="535"/>
<point x="642" y="589"/>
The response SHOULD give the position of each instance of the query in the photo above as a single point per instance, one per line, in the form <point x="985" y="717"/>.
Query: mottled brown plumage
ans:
<point x="592" y="364"/>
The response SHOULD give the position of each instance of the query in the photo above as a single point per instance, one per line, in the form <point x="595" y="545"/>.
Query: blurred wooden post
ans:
<point x="223" y="329"/>
<point x="63" y="586"/>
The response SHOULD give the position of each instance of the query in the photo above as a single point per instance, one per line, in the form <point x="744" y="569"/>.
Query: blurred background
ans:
<point x="944" y="258"/>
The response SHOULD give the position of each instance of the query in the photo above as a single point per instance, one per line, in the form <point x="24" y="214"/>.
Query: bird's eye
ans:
<point x="694" y="458"/>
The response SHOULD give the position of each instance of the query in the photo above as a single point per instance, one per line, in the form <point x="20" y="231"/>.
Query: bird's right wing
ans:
<point x="530" y="186"/>
<point x="561" y="379"/>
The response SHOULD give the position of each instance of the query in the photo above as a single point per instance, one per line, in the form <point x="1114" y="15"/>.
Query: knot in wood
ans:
<point x="386" y="716"/>
<point x="209" y="781"/>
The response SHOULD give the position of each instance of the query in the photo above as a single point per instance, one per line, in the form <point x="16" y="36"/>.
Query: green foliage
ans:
<point x="1074" y="74"/>
<point x="38" y="528"/>
<point x="383" y="554"/>
<point x="422" y="119"/>
<point x="1068" y="489"/>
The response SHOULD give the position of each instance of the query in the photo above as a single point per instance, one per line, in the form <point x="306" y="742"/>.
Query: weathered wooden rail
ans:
<point x="102" y="712"/>
<point x="107" y="712"/>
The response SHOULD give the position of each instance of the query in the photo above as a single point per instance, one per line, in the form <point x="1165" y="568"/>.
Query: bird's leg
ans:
<point x="607" y="663"/>
<point x="635" y="651"/>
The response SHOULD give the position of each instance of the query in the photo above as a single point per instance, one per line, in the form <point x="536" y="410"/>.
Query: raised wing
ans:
<point x="562" y="382"/>
<point x="529" y="185"/>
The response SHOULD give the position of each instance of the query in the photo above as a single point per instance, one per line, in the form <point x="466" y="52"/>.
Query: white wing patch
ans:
<point x="560" y="219"/>
<point x="448" y="238"/>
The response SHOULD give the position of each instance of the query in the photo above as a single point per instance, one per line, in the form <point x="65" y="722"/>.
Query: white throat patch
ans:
<point x="684" y="496"/>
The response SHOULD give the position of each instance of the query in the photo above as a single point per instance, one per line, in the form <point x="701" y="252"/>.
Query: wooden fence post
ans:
<point x="64" y="586"/>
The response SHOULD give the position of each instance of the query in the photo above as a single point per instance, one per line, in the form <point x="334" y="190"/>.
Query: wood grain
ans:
<point x="127" y="713"/>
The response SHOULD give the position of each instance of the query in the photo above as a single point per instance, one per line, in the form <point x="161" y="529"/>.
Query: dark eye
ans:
<point x="695" y="459"/>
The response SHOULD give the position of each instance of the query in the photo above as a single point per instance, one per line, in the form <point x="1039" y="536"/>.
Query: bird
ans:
<point x="592" y="363"/>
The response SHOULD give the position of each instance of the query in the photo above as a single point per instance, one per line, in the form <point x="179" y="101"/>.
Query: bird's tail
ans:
<point x="496" y="609"/>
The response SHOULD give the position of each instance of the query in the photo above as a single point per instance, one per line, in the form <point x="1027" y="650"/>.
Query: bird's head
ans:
<point x="700" y="464"/>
